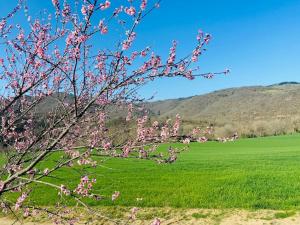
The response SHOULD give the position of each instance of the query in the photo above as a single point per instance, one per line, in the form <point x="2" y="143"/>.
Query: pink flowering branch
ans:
<point x="59" y="90"/>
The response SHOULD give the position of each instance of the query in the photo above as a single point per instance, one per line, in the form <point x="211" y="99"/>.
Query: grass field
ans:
<point x="261" y="173"/>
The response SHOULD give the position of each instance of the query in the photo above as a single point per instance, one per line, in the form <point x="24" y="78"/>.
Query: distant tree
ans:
<point x="72" y="55"/>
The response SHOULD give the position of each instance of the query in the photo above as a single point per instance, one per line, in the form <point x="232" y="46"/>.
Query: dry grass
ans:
<point x="119" y="215"/>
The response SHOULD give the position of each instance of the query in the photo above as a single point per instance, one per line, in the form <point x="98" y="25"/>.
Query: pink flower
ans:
<point x="207" y="38"/>
<point x="102" y="27"/>
<point x="143" y="4"/>
<point x="64" y="190"/>
<point x="196" y="54"/>
<point x="40" y="52"/>
<point x="196" y="131"/>
<point x="176" y="125"/>
<point x="117" y="11"/>
<point x="202" y="139"/>
<point x="186" y="141"/>
<point x="181" y="67"/>
<point x="104" y="30"/>
<point x="200" y="35"/>
<point x="189" y="75"/>
<point x="1" y="185"/>
<point x="156" y="222"/>
<point x="55" y="3"/>
<point x="84" y="10"/>
<point x="130" y="11"/>
<point x="105" y="5"/>
<point x="90" y="7"/>
<point x="20" y="200"/>
<point x="164" y="134"/>
<point x="106" y="145"/>
<point x="66" y="10"/>
<point x="85" y="186"/>
<point x="172" y="54"/>
<point x="2" y="24"/>
<point x="128" y="42"/>
<point x="126" y="150"/>
<point x="133" y="213"/>
<point x="26" y="212"/>
<point x="21" y="36"/>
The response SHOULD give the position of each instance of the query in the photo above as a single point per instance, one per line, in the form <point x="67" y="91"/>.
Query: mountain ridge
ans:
<point x="251" y="110"/>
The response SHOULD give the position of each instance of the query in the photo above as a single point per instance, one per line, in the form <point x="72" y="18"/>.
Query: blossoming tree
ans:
<point x="73" y="56"/>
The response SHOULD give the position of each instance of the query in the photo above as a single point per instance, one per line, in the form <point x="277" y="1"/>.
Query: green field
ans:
<point x="262" y="173"/>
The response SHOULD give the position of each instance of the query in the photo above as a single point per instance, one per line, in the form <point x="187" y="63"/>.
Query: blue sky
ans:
<point x="258" y="40"/>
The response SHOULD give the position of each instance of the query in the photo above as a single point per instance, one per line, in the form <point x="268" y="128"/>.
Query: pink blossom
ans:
<point x="106" y="145"/>
<point x="102" y="27"/>
<point x="55" y="3"/>
<point x="20" y="37"/>
<point x="64" y="190"/>
<point x="2" y="24"/>
<point x="117" y="11"/>
<point x="1" y="185"/>
<point x="85" y="186"/>
<point x="130" y="11"/>
<point x="20" y="200"/>
<point x="144" y="53"/>
<point x="84" y="10"/>
<point x="26" y="212"/>
<point x="200" y="35"/>
<point x="133" y="213"/>
<point x="165" y="133"/>
<point x="202" y="139"/>
<point x="189" y="75"/>
<point x="207" y="38"/>
<point x="126" y="150"/>
<point x="105" y="5"/>
<point x="196" y="54"/>
<point x="66" y="10"/>
<point x="14" y="84"/>
<point x="176" y="125"/>
<point x="127" y="43"/>
<point x="196" y="131"/>
<point x="90" y="7"/>
<point x="172" y="54"/>
<point x="186" y="141"/>
<point x="156" y="222"/>
<point x="40" y="52"/>
<point x="181" y="67"/>
<point x="104" y="30"/>
<point x="100" y="62"/>
<point x="143" y="4"/>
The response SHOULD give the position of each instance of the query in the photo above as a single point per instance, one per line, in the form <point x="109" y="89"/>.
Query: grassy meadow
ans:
<point x="262" y="173"/>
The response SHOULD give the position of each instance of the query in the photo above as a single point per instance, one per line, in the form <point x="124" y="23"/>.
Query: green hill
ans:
<point x="252" y="111"/>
